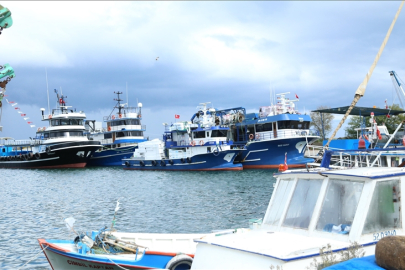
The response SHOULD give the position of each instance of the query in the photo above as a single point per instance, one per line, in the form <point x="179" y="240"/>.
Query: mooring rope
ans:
<point x="36" y="256"/>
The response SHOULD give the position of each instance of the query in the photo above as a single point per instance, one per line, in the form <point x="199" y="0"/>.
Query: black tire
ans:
<point x="189" y="160"/>
<point x="37" y="155"/>
<point x="154" y="163"/>
<point x="182" y="160"/>
<point x="181" y="261"/>
<point x="142" y="163"/>
<point x="162" y="163"/>
<point x="127" y="163"/>
<point x="171" y="162"/>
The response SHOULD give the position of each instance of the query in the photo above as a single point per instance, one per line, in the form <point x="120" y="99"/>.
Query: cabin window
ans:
<point x="264" y="127"/>
<point x="76" y="133"/>
<point x="64" y="122"/>
<point x="46" y="135"/>
<point x="129" y="134"/>
<point x="219" y="133"/>
<point x="55" y="122"/>
<point x="199" y="134"/>
<point x="384" y="211"/>
<point x="293" y="124"/>
<point x="125" y="122"/>
<point x="339" y="206"/>
<point x="279" y="202"/>
<point x="302" y="203"/>
<point x="57" y="134"/>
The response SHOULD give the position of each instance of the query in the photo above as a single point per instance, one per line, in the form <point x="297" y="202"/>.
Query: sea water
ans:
<point x="35" y="203"/>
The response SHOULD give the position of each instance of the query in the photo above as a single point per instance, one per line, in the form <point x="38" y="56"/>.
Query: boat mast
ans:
<point x="362" y="87"/>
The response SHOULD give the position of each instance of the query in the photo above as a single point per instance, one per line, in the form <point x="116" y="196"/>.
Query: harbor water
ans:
<point x="34" y="204"/>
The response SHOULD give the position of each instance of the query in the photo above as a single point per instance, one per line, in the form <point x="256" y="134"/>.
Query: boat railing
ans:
<point x="282" y="134"/>
<point x="125" y="128"/>
<point x="20" y="142"/>
<point x="128" y="112"/>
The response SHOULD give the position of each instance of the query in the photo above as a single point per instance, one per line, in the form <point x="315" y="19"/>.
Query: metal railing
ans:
<point x="283" y="134"/>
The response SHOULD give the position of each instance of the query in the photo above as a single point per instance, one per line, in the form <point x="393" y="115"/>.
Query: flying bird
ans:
<point x="157" y="58"/>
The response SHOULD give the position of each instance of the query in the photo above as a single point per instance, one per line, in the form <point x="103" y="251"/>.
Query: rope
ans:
<point x="362" y="87"/>
<point x="117" y="264"/>
<point x="36" y="256"/>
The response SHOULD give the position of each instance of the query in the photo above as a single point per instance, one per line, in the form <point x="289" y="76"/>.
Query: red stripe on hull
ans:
<point x="76" y="165"/>
<point x="220" y="169"/>
<point x="271" y="166"/>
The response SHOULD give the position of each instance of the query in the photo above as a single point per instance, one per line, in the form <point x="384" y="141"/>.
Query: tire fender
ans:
<point x="180" y="261"/>
<point x="127" y="163"/>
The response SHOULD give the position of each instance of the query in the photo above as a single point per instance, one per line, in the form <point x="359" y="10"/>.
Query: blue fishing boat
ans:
<point x="278" y="134"/>
<point x="120" y="137"/>
<point x="199" y="146"/>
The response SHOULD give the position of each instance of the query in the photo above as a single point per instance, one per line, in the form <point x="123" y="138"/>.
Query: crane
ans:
<point x="398" y="87"/>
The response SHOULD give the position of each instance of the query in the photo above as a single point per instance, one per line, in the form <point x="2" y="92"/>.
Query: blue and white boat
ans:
<point x="199" y="146"/>
<point x="276" y="134"/>
<point x="120" y="137"/>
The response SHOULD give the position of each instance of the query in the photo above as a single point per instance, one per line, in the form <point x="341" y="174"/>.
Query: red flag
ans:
<point x="297" y="96"/>
<point x="176" y="116"/>
<point x="16" y="108"/>
<point x="23" y="114"/>
<point x="29" y="122"/>
<point x="11" y="102"/>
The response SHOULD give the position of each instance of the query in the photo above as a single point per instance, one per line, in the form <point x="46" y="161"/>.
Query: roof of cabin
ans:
<point x="363" y="111"/>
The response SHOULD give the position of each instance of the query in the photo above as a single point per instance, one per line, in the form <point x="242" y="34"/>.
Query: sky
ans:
<point x="229" y="53"/>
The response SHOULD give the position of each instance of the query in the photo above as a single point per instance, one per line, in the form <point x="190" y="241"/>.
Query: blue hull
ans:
<point x="271" y="153"/>
<point x="204" y="162"/>
<point x="111" y="157"/>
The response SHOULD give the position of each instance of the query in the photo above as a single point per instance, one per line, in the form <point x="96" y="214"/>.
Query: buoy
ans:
<point x="362" y="143"/>
<point x="282" y="167"/>
<point x="379" y="134"/>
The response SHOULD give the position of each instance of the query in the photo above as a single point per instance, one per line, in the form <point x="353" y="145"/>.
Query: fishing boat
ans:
<point x="60" y="145"/>
<point x="276" y="135"/>
<point x="109" y="249"/>
<point x="309" y="210"/>
<point x="202" y="145"/>
<point x="120" y="137"/>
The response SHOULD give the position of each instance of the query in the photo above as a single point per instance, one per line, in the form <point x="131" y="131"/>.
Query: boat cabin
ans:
<point x="309" y="210"/>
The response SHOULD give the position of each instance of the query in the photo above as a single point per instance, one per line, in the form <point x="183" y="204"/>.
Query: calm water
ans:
<point x="34" y="204"/>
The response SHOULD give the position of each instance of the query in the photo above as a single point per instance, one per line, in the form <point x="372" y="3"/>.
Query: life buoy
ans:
<point x="201" y="142"/>
<point x="257" y="136"/>
<point x="127" y="163"/>
<point x="154" y="163"/>
<point x="379" y="134"/>
<point x="189" y="160"/>
<point x="113" y="117"/>
<point x="192" y="143"/>
<point x="171" y="162"/>
<point x="141" y="163"/>
<point x="162" y="163"/>
<point x="49" y="116"/>
<point x="109" y="128"/>
<point x="251" y="136"/>
<point x="180" y="261"/>
<point x="120" y="115"/>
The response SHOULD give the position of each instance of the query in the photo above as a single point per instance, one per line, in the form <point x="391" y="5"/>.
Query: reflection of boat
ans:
<point x="61" y="145"/>
<point x="108" y="249"/>
<point x="121" y="136"/>
<point x="187" y="146"/>
<point x="308" y="210"/>
<point x="275" y="133"/>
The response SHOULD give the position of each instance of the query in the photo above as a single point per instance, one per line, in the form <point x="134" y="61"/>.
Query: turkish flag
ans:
<point x="176" y="116"/>
<point x="296" y="96"/>
<point x="23" y="114"/>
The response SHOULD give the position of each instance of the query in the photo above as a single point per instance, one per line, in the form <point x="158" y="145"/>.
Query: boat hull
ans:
<point x="111" y="157"/>
<point x="65" y="155"/>
<point x="223" y="161"/>
<point x="269" y="154"/>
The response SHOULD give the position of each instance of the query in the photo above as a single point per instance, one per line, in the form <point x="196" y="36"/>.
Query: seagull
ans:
<point x="157" y="58"/>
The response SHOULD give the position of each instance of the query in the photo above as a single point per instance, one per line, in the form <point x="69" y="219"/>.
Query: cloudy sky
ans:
<point x="229" y="53"/>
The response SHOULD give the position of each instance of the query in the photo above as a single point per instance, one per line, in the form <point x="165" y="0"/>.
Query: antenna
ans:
<point x="127" y="94"/>
<point x="47" y="91"/>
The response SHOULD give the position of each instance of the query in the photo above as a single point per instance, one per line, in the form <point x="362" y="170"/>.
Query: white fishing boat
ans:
<point x="311" y="209"/>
